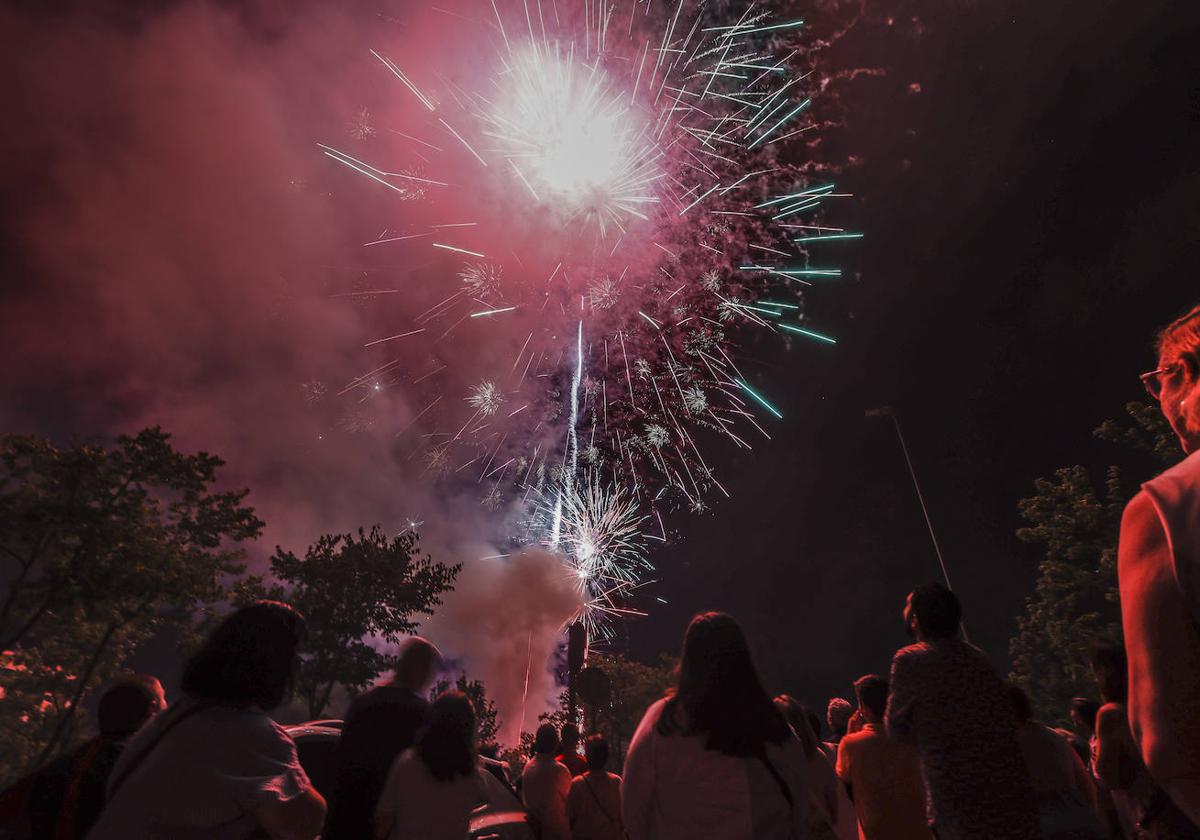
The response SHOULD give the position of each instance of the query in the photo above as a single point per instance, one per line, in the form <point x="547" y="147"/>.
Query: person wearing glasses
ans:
<point x="1158" y="567"/>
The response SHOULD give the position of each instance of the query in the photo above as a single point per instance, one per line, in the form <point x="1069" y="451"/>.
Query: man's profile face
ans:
<point x="1179" y="399"/>
<point x="910" y="619"/>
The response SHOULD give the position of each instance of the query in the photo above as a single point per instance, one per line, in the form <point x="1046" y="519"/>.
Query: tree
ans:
<point x="635" y="687"/>
<point x="1076" y="522"/>
<point x="100" y="549"/>
<point x="352" y="590"/>
<point x="487" y="719"/>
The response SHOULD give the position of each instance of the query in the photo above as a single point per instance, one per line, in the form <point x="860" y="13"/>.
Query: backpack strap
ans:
<point x="137" y="760"/>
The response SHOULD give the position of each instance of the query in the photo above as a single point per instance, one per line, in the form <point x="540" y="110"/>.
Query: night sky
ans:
<point x="1027" y="174"/>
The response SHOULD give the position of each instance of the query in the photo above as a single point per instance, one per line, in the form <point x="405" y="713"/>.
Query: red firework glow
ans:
<point x="603" y="198"/>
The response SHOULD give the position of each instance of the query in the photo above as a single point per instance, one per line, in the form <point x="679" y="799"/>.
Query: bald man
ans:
<point x="381" y="723"/>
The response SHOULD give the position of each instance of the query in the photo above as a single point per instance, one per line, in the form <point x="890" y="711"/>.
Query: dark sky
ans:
<point x="1031" y="219"/>
<point x="1027" y="175"/>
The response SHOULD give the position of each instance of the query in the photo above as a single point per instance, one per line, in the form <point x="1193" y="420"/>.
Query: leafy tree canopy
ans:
<point x="1075" y="520"/>
<point x="358" y="593"/>
<point x="99" y="549"/>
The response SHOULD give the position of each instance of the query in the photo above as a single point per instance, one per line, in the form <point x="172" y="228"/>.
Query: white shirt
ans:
<point x="420" y="807"/>
<point x="205" y="778"/>
<point x="675" y="789"/>
<point x="545" y="783"/>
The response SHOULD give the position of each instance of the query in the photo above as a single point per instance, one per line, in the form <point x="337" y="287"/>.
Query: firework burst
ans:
<point x="623" y="201"/>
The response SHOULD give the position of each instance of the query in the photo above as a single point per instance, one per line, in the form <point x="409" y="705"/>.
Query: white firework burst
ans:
<point x="493" y="500"/>
<point x="482" y="278"/>
<point x="486" y="398"/>
<point x="362" y="127"/>
<point x="314" y="391"/>
<point x="657" y="436"/>
<point x="695" y="399"/>
<point x="727" y="310"/>
<point x="710" y="281"/>
<point x="604" y="294"/>
<point x="600" y="534"/>
<point x="437" y="461"/>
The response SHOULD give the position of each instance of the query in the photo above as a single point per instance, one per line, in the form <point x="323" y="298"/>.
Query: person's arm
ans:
<point x="1083" y="779"/>
<point x="385" y="808"/>
<point x="1163" y="671"/>
<point x="298" y="818"/>
<point x="637" y="784"/>
<point x="900" y="717"/>
<point x="266" y="778"/>
<point x="1110" y="721"/>
<point x="844" y="763"/>
<point x="575" y="801"/>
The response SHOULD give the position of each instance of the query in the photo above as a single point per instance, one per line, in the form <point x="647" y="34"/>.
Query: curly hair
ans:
<point x="1181" y="337"/>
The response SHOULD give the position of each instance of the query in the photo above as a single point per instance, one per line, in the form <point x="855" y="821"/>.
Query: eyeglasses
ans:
<point x="1153" y="380"/>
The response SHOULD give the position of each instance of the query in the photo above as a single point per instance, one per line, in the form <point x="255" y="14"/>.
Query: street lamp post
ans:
<point x="888" y="411"/>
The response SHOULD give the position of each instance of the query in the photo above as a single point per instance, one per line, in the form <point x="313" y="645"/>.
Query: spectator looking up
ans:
<point x="433" y="785"/>
<point x="545" y="783"/>
<point x="569" y="750"/>
<point x="1158" y="566"/>
<point x="715" y="758"/>
<point x="948" y="701"/>
<point x="883" y="776"/>
<point x="1065" y="794"/>
<point x="69" y="794"/>
<point x="1143" y="808"/>
<point x="381" y="724"/>
<point x="214" y="764"/>
<point x="594" y="801"/>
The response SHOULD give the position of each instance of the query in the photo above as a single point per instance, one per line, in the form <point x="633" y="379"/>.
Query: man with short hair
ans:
<point x="381" y="724"/>
<point x="594" y="801"/>
<point x="948" y="701"/>
<point x="883" y="776"/>
<point x="545" y="783"/>
<point x="568" y="754"/>
<point x="69" y="794"/>
<point x="1158" y="566"/>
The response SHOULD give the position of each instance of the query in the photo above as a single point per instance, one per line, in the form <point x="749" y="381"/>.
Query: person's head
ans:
<point x="1176" y="382"/>
<point x="1022" y="707"/>
<point x="446" y="743"/>
<point x="128" y="703"/>
<point x="249" y="659"/>
<point x="719" y="694"/>
<point x="1083" y="714"/>
<point x="545" y="742"/>
<point x="872" y="693"/>
<point x="595" y="750"/>
<point x="837" y="715"/>
<point x="416" y="663"/>
<point x="796" y="716"/>
<point x="932" y="612"/>
<point x="1110" y="669"/>
<point x="570" y="738"/>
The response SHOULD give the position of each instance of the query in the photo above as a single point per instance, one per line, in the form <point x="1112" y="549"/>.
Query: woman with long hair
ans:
<point x="715" y="758"/>
<point x="214" y="764"/>
<point x="433" y="785"/>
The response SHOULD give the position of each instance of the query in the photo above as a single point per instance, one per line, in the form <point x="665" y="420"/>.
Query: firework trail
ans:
<point x="614" y="199"/>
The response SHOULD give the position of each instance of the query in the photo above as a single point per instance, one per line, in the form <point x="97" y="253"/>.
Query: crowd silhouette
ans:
<point x="942" y="747"/>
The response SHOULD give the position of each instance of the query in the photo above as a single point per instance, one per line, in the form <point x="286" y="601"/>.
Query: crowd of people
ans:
<point x="942" y="747"/>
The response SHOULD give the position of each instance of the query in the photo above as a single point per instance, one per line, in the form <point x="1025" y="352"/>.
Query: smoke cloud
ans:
<point x="179" y="252"/>
<point x="507" y="616"/>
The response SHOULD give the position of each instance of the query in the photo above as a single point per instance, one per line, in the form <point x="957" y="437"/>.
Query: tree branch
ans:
<point x="81" y="687"/>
